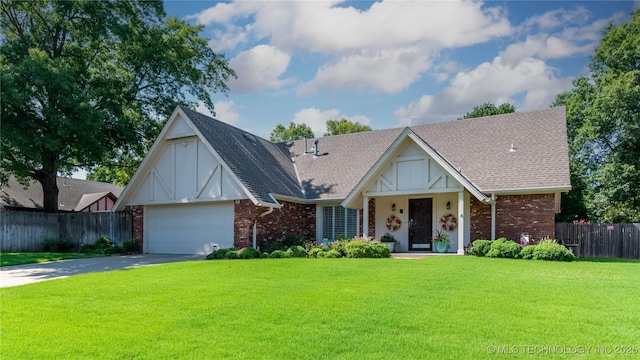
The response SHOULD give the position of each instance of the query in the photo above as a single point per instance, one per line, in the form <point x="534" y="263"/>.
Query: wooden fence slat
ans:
<point x="601" y="240"/>
<point x="26" y="231"/>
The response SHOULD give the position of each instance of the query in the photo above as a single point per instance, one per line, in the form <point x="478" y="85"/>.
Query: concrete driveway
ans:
<point x="31" y="273"/>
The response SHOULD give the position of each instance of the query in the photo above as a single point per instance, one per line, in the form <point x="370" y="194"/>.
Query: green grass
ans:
<point x="436" y="308"/>
<point x="8" y="259"/>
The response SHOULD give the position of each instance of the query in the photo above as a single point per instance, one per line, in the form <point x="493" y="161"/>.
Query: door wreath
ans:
<point x="393" y="223"/>
<point x="448" y="222"/>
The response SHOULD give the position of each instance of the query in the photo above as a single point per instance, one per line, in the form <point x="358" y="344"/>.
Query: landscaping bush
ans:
<point x="219" y="254"/>
<point x="548" y="250"/>
<point x="330" y="254"/>
<point x="293" y="240"/>
<point x="278" y="254"/>
<point x="503" y="248"/>
<point x="315" y="252"/>
<point x="248" y="253"/>
<point x="231" y="255"/>
<point x="527" y="252"/>
<point x="480" y="247"/>
<point x="339" y="245"/>
<point x="103" y="246"/>
<point x="364" y="249"/>
<point x="296" y="251"/>
<point x="275" y="245"/>
<point x="264" y="255"/>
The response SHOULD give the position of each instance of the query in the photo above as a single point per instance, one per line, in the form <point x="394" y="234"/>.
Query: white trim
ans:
<point x="412" y="192"/>
<point x="365" y="216"/>
<point x="153" y="155"/>
<point x="528" y="191"/>
<point x="461" y="222"/>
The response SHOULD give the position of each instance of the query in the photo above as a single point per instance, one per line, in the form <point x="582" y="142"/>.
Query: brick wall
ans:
<point x="515" y="214"/>
<point x="372" y="217"/>
<point x="480" y="220"/>
<point x="137" y="230"/>
<point x="297" y="219"/>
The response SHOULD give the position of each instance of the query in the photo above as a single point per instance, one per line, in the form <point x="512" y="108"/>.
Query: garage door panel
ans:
<point x="188" y="228"/>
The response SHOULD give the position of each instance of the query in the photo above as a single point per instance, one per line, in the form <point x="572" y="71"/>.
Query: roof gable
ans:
<point x="410" y="166"/>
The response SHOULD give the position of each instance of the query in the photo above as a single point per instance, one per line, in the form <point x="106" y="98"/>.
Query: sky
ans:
<point x="394" y="63"/>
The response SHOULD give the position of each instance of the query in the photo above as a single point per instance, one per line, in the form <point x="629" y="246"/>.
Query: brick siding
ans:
<point x="515" y="214"/>
<point x="296" y="219"/>
<point x="137" y="224"/>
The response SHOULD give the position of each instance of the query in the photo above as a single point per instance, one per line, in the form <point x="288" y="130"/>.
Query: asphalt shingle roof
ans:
<point x="480" y="147"/>
<point x="72" y="193"/>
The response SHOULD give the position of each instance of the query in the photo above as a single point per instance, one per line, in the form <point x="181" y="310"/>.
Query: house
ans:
<point x="205" y="184"/>
<point x="74" y="195"/>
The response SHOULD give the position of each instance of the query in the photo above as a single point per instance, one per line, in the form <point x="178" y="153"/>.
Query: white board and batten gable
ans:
<point x="411" y="171"/>
<point x="182" y="168"/>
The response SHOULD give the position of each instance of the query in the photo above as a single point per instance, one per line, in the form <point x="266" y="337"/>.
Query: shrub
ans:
<point x="278" y="254"/>
<point x="231" y="255"/>
<point x="248" y="253"/>
<point x="330" y="254"/>
<point x="527" y="252"/>
<point x="219" y="254"/>
<point x="296" y="251"/>
<point x="480" y="247"/>
<point x="293" y="240"/>
<point x="103" y="246"/>
<point x="339" y="245"/>
<point x="264" y="255"/>
<point x="503" y="248"/>
<point x="356" y="249"/>
<point x="275" y="245"/>
<point x="130" y="247"/>
<point x="315" y="252"/>
<point x="379" y="250"/>
<point x="552" y="251"/>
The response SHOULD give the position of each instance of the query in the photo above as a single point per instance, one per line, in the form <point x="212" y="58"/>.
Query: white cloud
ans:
<point x="496" y="82"/>
<point x="226" y="111"/>
<point x="397" y="40"/>
<point x="258" y="69"/>
<point x="388" y="71"/>
<point x="317" y="119"/>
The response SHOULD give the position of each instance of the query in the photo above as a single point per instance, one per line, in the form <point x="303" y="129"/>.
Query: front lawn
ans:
<point x="8" y="259"/>
<point x="436" y="308"/>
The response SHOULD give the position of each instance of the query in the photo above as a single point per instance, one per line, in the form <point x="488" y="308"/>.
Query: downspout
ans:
<point x="255" y="226"/>
<point x="493" y="216"/>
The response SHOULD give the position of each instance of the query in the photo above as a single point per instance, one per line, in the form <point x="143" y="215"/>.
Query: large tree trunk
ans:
<point x="47" y="177"/>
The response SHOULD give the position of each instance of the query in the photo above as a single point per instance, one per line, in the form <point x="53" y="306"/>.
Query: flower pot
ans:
<point x="440" y="247"/>
<point x="390" y="245"/>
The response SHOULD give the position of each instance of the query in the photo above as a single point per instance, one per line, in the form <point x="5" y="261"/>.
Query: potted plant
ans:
<point x="388" y="240"/>
<point x="441" y="241"/>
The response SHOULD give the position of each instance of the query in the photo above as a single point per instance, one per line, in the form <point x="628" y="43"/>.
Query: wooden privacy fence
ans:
<point x="26" y="231"/>
<point x="601" y="240"/>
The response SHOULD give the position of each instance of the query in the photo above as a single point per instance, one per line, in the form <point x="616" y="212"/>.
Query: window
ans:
<point x="339" y="222"/>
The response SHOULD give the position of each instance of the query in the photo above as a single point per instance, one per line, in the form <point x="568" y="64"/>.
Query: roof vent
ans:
<point x="250" y="137"/>
<point x="513" y="148"/>
<point x="315" y="148"/>
<point x="306" y="149"/>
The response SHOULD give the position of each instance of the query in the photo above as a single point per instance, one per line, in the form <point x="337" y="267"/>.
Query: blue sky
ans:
<point x="394" y="63"/>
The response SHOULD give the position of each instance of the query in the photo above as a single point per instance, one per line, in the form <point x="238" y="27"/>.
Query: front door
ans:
<point x="420" y="224"/>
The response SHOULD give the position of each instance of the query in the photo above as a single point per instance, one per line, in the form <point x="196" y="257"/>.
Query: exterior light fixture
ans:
<point x="448" y="205"/>
<point x="393" y="207"/>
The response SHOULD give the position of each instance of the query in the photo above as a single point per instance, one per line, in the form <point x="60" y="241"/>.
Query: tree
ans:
<point x="88" y="81"/>
<point x="344" y="126"/>
<point x="488" y="109"/>
<point x="603" y="125"/>
<point x="293" y="132"/>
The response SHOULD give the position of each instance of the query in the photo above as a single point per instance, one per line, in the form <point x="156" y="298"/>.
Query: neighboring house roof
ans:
<point x="73" y="194"/>
<point x="479" y="150"/>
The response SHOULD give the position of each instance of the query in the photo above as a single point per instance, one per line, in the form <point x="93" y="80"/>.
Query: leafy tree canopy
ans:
<point x="85" y="82"/>
<point x="489" y="109"/>
<point x="291" y="133"/>
<point x="344" y="126"/>
<point x="603" y="125"/>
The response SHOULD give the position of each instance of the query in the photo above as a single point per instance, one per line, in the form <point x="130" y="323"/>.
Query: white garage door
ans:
<point x="188" y="228"/>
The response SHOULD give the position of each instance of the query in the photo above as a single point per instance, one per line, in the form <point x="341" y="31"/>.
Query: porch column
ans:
<point x="460" y="223"/>
<point x="365" y="216"/>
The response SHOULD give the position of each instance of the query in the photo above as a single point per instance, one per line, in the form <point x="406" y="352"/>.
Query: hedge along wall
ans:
<point x="515" y="214"/>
